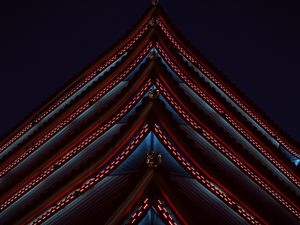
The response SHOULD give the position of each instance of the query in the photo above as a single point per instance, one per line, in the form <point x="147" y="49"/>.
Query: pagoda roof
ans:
<point x="151" y="128"/>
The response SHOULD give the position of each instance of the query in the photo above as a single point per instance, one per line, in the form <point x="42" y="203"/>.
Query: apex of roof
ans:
<point x="155" y="2"/>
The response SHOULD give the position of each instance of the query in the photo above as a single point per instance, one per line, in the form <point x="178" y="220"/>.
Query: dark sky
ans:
<point x="255" y="43"/>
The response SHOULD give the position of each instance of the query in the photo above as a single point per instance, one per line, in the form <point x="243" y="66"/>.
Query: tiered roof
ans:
<point x="151" y="133"/>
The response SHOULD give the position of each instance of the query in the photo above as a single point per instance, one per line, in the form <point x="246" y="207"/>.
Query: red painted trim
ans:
<point x="68" y="191"/>
<point x="119" y="50"/>
<point x="75" y="145"/>
<point x="84" y="104"/>
<point x="286" y="202"/>
<point x="222" y="110"/>
<point x="181" y="148"/>
<point x="57" y="197"/>
<point x="170" y="204"/>
<point x="232" y="94"/>
<point x="139" y="213"/>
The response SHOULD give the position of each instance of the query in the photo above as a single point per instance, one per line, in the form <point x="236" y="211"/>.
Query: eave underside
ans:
<point x="94" y="164"/>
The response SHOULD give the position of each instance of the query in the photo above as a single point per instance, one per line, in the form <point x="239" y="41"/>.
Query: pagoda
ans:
<point x="151" y="133"/>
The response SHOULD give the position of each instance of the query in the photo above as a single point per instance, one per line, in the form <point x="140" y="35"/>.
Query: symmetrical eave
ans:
<point x="140" y="71"/>
<point x="159" y="74"/>
<point x="61" y="205"/>
<point x="164" y="28"/>
<point x="106" y="158"/>
<point x="111" y="154"/>
<point x="162" y="206"/>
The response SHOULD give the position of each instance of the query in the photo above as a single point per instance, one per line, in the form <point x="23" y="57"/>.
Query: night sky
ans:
<point x="256" y="44"/>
